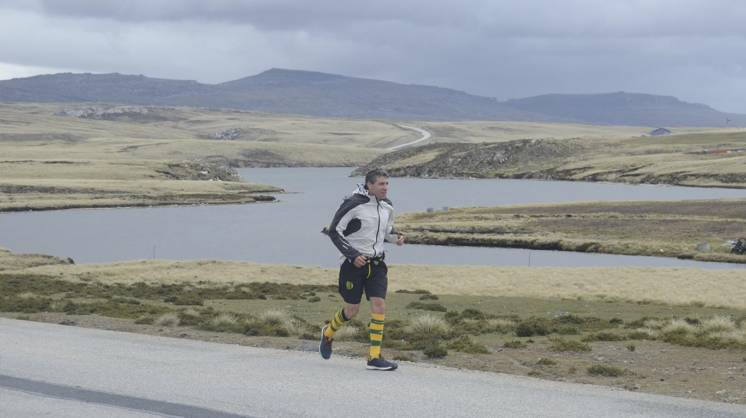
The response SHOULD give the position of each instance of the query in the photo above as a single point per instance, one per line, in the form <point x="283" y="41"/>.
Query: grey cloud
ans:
<point x="691" y="49"/>
<point x="498" y="17"/>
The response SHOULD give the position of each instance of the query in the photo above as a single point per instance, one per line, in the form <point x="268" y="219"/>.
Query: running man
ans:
<point x="362" y="223"/>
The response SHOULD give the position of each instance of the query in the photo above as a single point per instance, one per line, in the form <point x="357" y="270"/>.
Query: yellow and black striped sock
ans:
<point x="336" y="323"/>
<point x="375" y="329"/>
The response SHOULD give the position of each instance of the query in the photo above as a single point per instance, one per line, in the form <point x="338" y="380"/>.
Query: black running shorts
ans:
<point x="372" y="279"/>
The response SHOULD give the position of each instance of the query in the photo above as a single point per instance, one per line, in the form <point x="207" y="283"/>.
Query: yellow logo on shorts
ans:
<point x="349" y="285"/>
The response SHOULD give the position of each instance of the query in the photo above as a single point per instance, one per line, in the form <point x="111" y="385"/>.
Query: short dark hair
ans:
<point x="373" y="175"/>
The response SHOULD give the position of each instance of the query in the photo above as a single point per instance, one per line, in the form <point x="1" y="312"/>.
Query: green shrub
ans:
<point x="532" y="326"/>
<point x="224" y="322"/>
<point x="515" y="344"/>
<point x="603" y="370"/>
<point x="435" y="350"/>
<point x="472" y="314"/>
<point x="452" y="317"/>
<point x="429" y="297"/>
<point x="465" y="344"/>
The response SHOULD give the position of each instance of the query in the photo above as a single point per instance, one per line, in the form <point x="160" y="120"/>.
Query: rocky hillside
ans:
<point x="521" y="159"/>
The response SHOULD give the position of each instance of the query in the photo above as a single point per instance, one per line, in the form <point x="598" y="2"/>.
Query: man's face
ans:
<point x="379" y="188"/>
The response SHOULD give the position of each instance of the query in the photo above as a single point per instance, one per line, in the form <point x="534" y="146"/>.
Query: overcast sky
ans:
<point x="692" y="49"/>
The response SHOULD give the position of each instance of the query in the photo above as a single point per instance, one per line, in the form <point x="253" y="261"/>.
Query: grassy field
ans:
<point x="22" y="122"/>
<point x="671" y="229"/>
<point x="140" y="156"/>
<point x="476" y="132"/>
<point x="671" y="331"/>
<point x="48" y="161"/>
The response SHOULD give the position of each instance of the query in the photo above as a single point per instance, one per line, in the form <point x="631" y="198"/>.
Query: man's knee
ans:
<point x="351" y="310"/>
<point x="378" y="305"/>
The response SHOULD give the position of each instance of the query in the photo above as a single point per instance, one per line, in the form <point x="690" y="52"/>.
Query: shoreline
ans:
<point x="589" y="247"/>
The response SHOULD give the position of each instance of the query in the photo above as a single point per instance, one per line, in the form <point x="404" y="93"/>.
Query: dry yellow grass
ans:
<point x="669" y="285"/>
<point x="507" y="131"/>
<point x="49" y="161"/>
<point x="41" y="121"/>
<point x="14" y="261"/>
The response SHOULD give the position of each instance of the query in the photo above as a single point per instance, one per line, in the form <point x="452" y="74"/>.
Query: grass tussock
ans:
<point x="282" y="319"/>
<point x="717" y="332"/>
<point x="544" y="361"/>
<point x="605" y="371"/>
<point x="428" y="326"/>
<point x="515" y="344"/>
<point x="167" y="320"/>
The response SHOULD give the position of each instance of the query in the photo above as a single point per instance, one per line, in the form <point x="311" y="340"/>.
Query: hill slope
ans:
<point x="331" y="95"/>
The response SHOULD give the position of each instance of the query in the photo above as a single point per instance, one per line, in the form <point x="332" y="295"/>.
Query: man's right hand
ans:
<point x="360" y="261"/>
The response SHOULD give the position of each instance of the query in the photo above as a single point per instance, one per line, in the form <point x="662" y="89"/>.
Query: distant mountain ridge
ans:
<point x="331" y="95"/>
<point x="619" y="108"/>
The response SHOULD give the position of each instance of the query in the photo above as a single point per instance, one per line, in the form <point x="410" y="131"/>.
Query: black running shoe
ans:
<point x="325" y="345"/>
<point x="380" y="363"/>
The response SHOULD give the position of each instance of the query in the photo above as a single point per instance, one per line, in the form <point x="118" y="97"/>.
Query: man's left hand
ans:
<point x="400" y="240"/>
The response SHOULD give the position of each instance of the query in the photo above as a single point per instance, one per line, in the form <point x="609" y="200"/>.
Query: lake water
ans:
<point x="287" y="231"/>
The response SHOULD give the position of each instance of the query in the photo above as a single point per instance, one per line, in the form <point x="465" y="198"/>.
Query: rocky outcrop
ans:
<point x="130" y="113"/>
<point x="199" y="170"/>
<point x="503" y="159"/>
<point x="227" y="134"/>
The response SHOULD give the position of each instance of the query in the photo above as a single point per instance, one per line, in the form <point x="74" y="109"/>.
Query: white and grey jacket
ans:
<point x="361" y="225"/>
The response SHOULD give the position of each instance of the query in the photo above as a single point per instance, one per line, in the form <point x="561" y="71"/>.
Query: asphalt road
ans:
<point x="60" y="371"/>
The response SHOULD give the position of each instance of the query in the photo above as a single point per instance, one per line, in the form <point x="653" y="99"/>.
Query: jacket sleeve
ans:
<point x="391" y="234"/>
<point x="339" y="224"/>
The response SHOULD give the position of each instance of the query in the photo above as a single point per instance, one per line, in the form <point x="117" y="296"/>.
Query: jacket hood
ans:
<point x="361" y="190"/>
